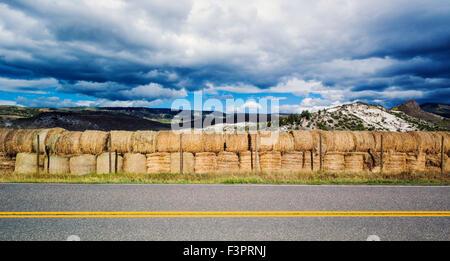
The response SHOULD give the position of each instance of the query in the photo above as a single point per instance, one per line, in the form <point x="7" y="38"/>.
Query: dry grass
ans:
<point x="239" y="178"/>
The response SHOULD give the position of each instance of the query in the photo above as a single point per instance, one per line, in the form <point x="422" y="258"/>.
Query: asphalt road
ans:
<point x="240" y="207"/>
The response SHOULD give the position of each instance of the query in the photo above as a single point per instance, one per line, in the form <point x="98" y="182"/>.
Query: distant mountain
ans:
<point x="413" y="109"/>
<point x="361" y="116"/>
<point x="436" y="108"/>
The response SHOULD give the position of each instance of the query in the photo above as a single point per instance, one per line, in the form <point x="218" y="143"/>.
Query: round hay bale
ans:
<point x="227" y="162"/>
<point x="7" y="163"/>
<point x="121" y="141"/>
<point x="284" y="142"/>
<point x="337" y="141"/>
<point x="93" y="142"/>
<point x="144" y="142"/>
<point x="213" y="142"/>
<point x="158" y="162"/>
<point x="83" y="164"/>
<point x="427" y="142"/>
<point x="3" y="134"/>
<point x="236" y="142"/>
<point x="364" y="141"/>
<point x="292" y="161"/>
<point x="334" y="161"/>
<point x="192" y="142"/>
<point x="311" y="161"/>
<point x="26" y="163"/>
<point x="168" y="141"/>
<point x="188" y="162"/>
<point x="55" y="164"/>
<point x="52" y="137"/>
<point x="134" y="163"/>
<point x="415" y="162"/>
<point x="17" y="141"/>
<point x="303" y="140"/>
<point x="69" y="143"/>
<point x="246" y="161"/>
<point x="103" y="163"/>
<point x="405" y="142"/>
<point x="266" y="141"/>
<point x="395" y="162"/>
<point x="354" y="162"/>
<point x="205" y="162"/>
<point x="389" y="141"/>
<point x="42" y="136"/>
<point x="446" y="136"/>
<point x="270" y="161"/>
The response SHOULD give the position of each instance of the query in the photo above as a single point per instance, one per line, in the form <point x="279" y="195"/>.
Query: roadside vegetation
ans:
<point x="318" y="177"/>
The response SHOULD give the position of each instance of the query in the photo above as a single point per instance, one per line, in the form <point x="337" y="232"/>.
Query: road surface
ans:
<point x="223" y="212"/>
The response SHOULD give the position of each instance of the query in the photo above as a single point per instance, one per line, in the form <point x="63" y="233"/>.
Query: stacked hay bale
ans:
<point x="270" y="161"/>
<point x="192" y="142"/>
<point x="51" y="139"/>
<point x="268" y="141"/>
<point x="83" y="164"/>
<point x="311" y="161"/>
<point x="213" y="142"/>
<point x="337" y="141"/>
<point x="55" y="164"/>
<point x="158" y="162"/>
<point x="103" y="166"/>
<point x="395" y="162"/>
<point x="433" y="162"/>
<point x="334" y="161"/>
<point x="364" y="141"/>
<point x="354" y="161"/>
<point x="188" y="162"/>
<point x="236" y="142"/>
<point x="7" y="163"/>
<point x="292" y="161"/>
<point x="93" y="142"/>
<point x="69" y="143"/>
<point x="134" y="163"/>
<point x="121" y="141"/>
<point x="144" y="142"/>
<point x="205" y="162"/>
<point x="26" y="163"/>
<point x="227" y="162"/>
<point x="42" y="133"/>
<point x="246" y="161"/>
<point x="17" y="141"/>
<point x="304" y="140"/>
<point x="415" y="162"/>
<point x="168" y="141"/>
<point x="3" y="134"/>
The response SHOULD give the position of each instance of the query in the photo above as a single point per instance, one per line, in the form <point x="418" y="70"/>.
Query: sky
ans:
<point x="308" y="54"/>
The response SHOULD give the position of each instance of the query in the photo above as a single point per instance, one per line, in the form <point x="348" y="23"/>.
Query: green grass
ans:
<point x="238" y="178"/>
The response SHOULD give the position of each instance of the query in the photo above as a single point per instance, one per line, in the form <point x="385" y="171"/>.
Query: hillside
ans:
<point x="413" y="109"/>
<point x="359" y="116"/>
<point x="436" y="108"/>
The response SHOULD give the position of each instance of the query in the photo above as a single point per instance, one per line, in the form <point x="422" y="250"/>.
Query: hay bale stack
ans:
<point x="168" y="141"/>
<point x="69" y="143"/>
<point x="364" y="141"/>
<point x="396" y="141"/>
<point x="134" y="163"/>
<point x="122" y="141"/>
<point x="213" y="142"/>
<point x="205" y="162"/>
<point x="93" y="142"/>
<point x="42" y="135"/>
<point x="3" y="134"/>
<point x="270" y="161"/>
<point x="446" y="136"/>
<point x="236" y="142"/>
<point x="192" y="142"/>
<point x="7" y="163"/>
<point x="227" y="162"/>
<point x="292" y="161"/>
<point x="354" y="161"/>
<point x="395" y="162"/>
<point x="337" y="141"/>
<point x="26" y="163"/>
<point x="415" y="162"/>
<point x="55" y="164"/>
<point x="311" y="165"/>
<point x="303" y="140"/>
<point x="246" y="161"/>
<point x="83" y="164"/>
<point x="158" y="162"/>
<point x="266" y="141"/>
<point x="334" y="161"/>
<point x="188" y="162"/>
<point x="284" y="143"/>
<point x="52" y="137"/>
<point x="144" y="142"/>
<point x="17" y="141"/>
<point x="433" y="162"/>
<point x="103" y="163"/>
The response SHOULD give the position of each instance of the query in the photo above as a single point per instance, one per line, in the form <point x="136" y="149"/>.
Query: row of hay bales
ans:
<point x="223" y="162"/>
<point x="60" y="141"/>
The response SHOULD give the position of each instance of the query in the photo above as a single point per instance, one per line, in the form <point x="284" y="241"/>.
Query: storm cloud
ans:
<point x="327" y="52"/>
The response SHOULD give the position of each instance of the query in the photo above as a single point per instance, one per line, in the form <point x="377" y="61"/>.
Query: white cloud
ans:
<point x="27" y="86"/>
